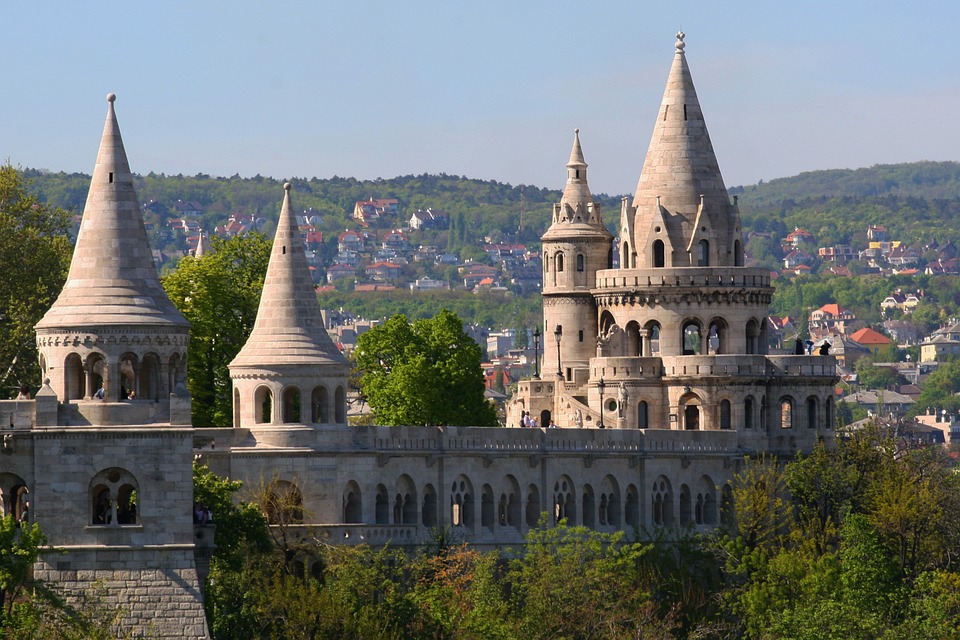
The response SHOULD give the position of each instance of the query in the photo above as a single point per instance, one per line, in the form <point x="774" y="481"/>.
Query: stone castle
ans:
<point x="657" y="374"/>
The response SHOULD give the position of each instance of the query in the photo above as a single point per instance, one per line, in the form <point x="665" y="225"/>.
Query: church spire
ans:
<point x="576" y="193"/>
<point x="681" y="179"/>
<point x="289" y="329"/>
<point x="112" y="278"/>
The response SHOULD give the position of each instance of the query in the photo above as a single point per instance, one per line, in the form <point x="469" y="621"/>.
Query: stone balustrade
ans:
<point x="682" y="277"/>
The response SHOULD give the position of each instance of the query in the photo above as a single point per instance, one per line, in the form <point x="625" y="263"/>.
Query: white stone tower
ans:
<point x="289" y="377"/>
<point x="112" y="480"/>
<point x="575" y="247"/>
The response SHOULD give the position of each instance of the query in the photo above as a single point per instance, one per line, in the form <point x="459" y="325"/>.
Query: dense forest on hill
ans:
<point x="917" y="202"/>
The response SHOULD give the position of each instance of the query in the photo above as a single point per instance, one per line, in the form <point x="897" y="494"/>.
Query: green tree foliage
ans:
<point x="35" y="255"/>
<point x="241" y="538"/>
<point x="572" y="582"/>
<point x="219" y="294"/>
<point x="867" y="550"/>
<point x="427" y="372"/>
<point x="940" y="390"/>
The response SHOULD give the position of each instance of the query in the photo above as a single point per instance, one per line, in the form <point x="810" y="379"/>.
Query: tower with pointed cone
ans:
<point x="680" y="327"/>
<point x="112" y="445"/>
<point x="575" y="247"/>
<point x="289" y="375"/>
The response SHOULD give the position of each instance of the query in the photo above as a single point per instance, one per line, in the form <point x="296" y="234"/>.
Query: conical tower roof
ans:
<point x="681" y="165"/>
<point x="576" y="212"/>
<point x="289" y="329"/>
<point x="112" y="278"/>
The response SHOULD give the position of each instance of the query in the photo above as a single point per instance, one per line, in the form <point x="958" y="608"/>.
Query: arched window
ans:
<point x="319" y="402"/>
<point x="114" y="498"/>
<point x="752" y="336"/>
<point x="654" y="330"/>
<point x="786" y="413"/>
<point x="662" y="502"/>
<point x="631" y="508"/>
<point x="703" y="254"/>
<point x="725" y="414"/>
<point x="14" y="497"/>
<point x="559" y="259"/>
<point x="589" y="508"/>
<point x="128" y="376"/>
<point x="382" y="506"/>
<point x="691" y="417"/>
<point x="487" y="507"/>
<point x="717" y="337"/>
<point x="263" y="405"/>
<point x="658" y="253"/>
<point x="564" y="502"/>
<point x="685" y="505"/>
<point x="149" y="387"/>
<point x="634" y="342"/>
<point x="580" y="262"/>
<point x="428" y="513"/>
<point x="75" y="377"/>
<point x="352" y="504"/>
<point x="96" y="374"/>
<point x="642" y="416"/>
<point x="625" y="256"/>
<point x="737" y="253"/>
<point x="532" y="508"/>
<point x="291" y="405"/>
<point x="691" y="339"/>
<point x="461" y="503"/>
<point x="748" y="413"/>
<point x="812" y="411"/>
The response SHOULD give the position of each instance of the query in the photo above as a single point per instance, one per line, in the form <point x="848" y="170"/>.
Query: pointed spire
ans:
<point x="289" y="327"/>
<point x="201" y="246"/>
<point x="112" y="278"/>
<point x="577" y="191"/>
<point x="681" y="192"/>
<point x="681" y="163"/>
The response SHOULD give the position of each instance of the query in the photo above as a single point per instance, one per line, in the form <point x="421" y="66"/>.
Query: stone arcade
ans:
<point x="668" y="352"/>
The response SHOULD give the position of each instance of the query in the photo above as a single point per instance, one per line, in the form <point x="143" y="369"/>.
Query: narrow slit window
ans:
<point x="111" y="177"/>
<point x="684" y="112"/>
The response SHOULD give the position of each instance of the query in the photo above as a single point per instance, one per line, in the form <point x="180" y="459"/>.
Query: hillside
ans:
<point x="927" y="180"/>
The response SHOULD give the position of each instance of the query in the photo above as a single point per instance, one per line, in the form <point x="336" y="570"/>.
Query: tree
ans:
<point x="35" y="252"/>
<point x="219" y="294"/>
<point x="423" y="373"/>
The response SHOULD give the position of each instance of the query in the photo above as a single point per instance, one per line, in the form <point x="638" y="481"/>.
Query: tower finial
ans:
<point x="680" y="44"/>
<point x="111" y="97"/>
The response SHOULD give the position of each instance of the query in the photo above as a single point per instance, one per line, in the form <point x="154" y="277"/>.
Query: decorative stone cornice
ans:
<point x="720" y="297"/>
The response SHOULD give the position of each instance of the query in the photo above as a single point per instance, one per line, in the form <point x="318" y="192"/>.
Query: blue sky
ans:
<point x="489" y="90"/>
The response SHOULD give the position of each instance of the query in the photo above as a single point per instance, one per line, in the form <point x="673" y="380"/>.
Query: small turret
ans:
<point x="113" y="325"/>
<point x="575" y="247"/>
<point x="289" y="371"/>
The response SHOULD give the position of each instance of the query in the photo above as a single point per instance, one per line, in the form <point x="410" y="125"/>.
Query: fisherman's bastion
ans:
<point x="656" y="373"/>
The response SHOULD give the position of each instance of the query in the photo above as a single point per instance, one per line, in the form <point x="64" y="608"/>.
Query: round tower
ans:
<point x="289" y="373"/>
<point x="113" y="335"/>
<point x="575" y="247"/>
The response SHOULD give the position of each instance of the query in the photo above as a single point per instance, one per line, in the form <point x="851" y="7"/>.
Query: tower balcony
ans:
<point x="625" y="280"/>
<point x="615" y="369"/>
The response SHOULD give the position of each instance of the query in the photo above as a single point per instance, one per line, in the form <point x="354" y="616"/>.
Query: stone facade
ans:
<point x="667" y="354"/>
<point x="102" y="456"/>
<point x="657" y="373"/>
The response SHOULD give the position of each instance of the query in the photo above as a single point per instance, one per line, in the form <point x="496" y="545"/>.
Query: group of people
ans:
<point x="531" y="422"/>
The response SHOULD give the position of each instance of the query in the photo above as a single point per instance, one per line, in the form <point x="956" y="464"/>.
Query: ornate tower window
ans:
<point x="114" y="498"/>
<point x="703" y="254"/>
<point x="658" y="253"/>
